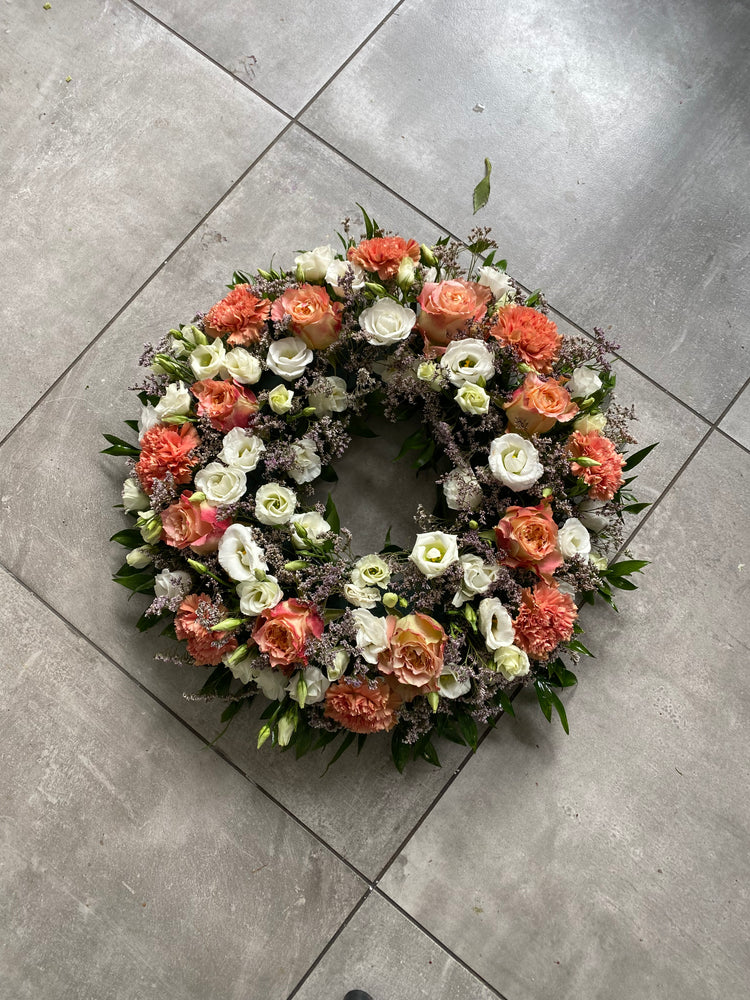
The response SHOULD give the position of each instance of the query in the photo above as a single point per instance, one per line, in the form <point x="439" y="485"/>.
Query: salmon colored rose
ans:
<point x="605" y="479"/>
<point x="415" y="650"/>
<point x="538" y="404"/>
<point x="240" y="314"/>
<point x="313" y="317"/>
<point x="383" y="256"/>
<point x="447" y="307"/>
<point x="282" y="632"/>
<point x="225" y="404"/>
<point x="533" y="336"/>
<point x="361" y="705"/>
<point x="192" y="525"/>
<point x="166" y="450"/>
<point x="206" y="647"/>
<point x="544" y="619"/>
<point x="527" y="537"/>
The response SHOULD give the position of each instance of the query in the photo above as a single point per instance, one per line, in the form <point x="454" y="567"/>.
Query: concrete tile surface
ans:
<point x="132" y="862"/>
<point x="737" y="420"/>
<point x="614" y="862"/>
<point x="103" y="174"/>
<point x="287" y="53"/>
<point x="621" y="152"/>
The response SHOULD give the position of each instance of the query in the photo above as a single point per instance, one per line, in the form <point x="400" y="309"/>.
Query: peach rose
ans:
<point x="167" y="450"/>
<point x="415" y="650"/>
<point x="195" y="525"/>
<point x="361" y="705"/>
<point x="605" y="479"/>
<point x="538" y="404"/>
<point x="313" y="317"/>
<point x="383" y="255"/>
<point x="527" y="537"/>
<point x="282" y="632"/>
<point x="225" y="404"/>
<point x="206" y="647"/>
<point x="240" y="314"/>
<point x="544" y="619"/>
<point x="448" y="306"/>
<point x="534" y="337"/>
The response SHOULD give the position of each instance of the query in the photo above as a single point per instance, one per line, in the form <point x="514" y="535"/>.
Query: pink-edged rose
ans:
<point x="192" y="525"/>
<point x="449" y="306"/>
<point x="313" y="317"/>
<point x="224" y="403"/>
<point x="538" y="404"/>
<point x="415" y="650"/>
<point x="527" y="538"/>
<point x="282" y="632"/>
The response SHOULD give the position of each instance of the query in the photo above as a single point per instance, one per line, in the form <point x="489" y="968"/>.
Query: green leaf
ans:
<point x="578" y="647"/>
<point x="400" y="751"/>
<point x="133" y="425"/>
<point x="429" y="753"/>
<point x="328" y="474"/>
<point x="131" y="538"/>
<point x="343" y="747"/>
<point x="560" y="675"/>
<point x="622" y="584"/>
<point x="548" y="700"/>
<point x="361" y="740"/>
<point x="219" y="681"/>
<point x="145" y="622"/>
<point x="369" y="227"/>
<point x="504" y="702"/>
<point x="359" y="428"/>
<point x="482" y="190"/>
<point x="533" y="298"/>
<point x="468" y="729"/>
<point x="638" y="457"/>
<point x="121" y="449"/>
<point x="230" y="711"/>
<point x="425" y="457"/>
<point x="480" y="246"/>
<point x="113" y="439"/>
<point x="625" y="568"/>
<point x="332" y="515"/>
<point x="635" y="508"/>
<point x="502" y="265"/>
<point x="414" y="442"/>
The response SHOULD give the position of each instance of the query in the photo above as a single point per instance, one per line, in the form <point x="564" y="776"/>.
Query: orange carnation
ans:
<point x="167" y="450"/>
<point x="605" y="479"/>
<point x="538" y="404"/>
<point x="532" y="335"/>
<point x="206" y="647"/>
<point x="544" y="620"/>
<point x="240" y="314"/>
<point x="313" y="317"/>
<point x="383" y="255"/>
<point x="361" y="705"/>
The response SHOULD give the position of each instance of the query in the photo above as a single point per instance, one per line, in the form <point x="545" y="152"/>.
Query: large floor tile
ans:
<point x="614" y="862"/>
<point x="285" y="53"/>
<point x="132" y="862"/>
<point x="618" y="134"/>
<point x="104" y="173"/>
<point x="737" y="421"/>
<point x="381" y="952"/>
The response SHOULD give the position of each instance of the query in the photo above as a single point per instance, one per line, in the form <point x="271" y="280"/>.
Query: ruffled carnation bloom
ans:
<point x="240" y="314"/>
<point x="206" y="647"/>
<point x="361" y="705"/>
<point x="545" y="618"/>
<point x="194" y="525"/>
<point x="282" y="632"/>
<point x="447" y="307"/>
<point x="415" y="650"/>
<point x="527" y="539"/>
<point x="605" y="479"/>
<point x="383" y="255"/>
<point x="313" y="317"/>
<point x="167" y="450"/>
<point x="225" y="404"/>
<point x="538" y="404"/>
<point x="531" y="334"/>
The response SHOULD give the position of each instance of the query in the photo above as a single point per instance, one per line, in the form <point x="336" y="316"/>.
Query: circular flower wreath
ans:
<point x="248" y="406"/>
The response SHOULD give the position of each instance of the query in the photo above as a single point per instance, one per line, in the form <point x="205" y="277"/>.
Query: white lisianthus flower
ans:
<point x="589" y="422"/>
<point x="313" y="264"/>
<point x="371" y="569"/>
<point x="315" y="527"/>
<point x="510" y="661"/>
<point x="257" y="595"/>
<point x="272" y="683"/>
<point x="371" y="636"/>
<point x="222" y="484"/>
<point x="361" y="597"/>
<point x="316" y="683"/>
<point x="333" y="400"/>
<point x="386" y="322"/>
<point x="242" y="366"/>
<point x="207" y="360"/>
<point x="467" y="361"/>
<point x="239" y="554"/>
<point x="133" y="497"/>
<point x="583" y="383"/>
<point x="495" y="624"/>
<point x="514" y="461"/>
<point x="338" y="667"/>
<point x="244" y="671"/>
<point x="426" y="371"/>
<point x="449" y="686"/>
<point x="306" y="461"/>
<point x="590" y="515"/>
<point x="405" y="274"/>
<point x="172" y="583"/>
<point x="140" y="557"/>
<point x="175" y="402"/>
<point x="275" y="504"/>
<point x="462" y="491"/>
<point x="473" y="399"/>
<point x="241" y="449"/>
<point x="566" y="588"/>
<point x="434" y="552"/>
<point x="478" y="576"/>
<point x="149" y="525"/>
<point x="289" y="357"/>
<point x="598" y="560"/>
<point x="573" y="539"/>
<point x="496" y="280"/>
<point x="149" y="418"/>
<point x="280" y="399"/>
<point x="430" y="275"/>
<point x="336" y="271"/>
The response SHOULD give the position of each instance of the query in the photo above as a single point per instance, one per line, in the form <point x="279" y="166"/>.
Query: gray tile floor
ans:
<point x="192" y="138"/>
